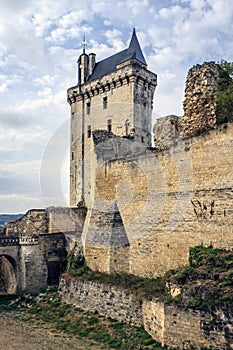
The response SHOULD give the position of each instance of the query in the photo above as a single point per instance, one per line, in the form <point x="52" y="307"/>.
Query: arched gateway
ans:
<point x="8" y="279"/>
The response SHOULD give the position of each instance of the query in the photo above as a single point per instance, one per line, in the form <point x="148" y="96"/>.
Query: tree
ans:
<point x="224" y="100"/>
<point x="227" y="67"/>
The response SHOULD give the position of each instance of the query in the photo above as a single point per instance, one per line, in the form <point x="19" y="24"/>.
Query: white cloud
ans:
<point x="39" y="46"/>
<point x="19" y="203"/>
<point x="137" y="7"/>
<point x="7" y="81"/>
<point x="107" y="23"/>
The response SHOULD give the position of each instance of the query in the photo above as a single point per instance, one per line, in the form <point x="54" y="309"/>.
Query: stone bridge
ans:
<point x="30" y="263"/>
<point x="9" y="264"/>
<point x="34" y="248"/>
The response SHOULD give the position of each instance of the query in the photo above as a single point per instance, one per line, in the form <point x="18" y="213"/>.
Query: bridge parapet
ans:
<point x="9" y="241"/>
<point x="29" y="240"/>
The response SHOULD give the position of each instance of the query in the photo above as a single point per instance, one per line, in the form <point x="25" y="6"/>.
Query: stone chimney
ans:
<point x="91" y="62"/>
<point x="83" y="68"/>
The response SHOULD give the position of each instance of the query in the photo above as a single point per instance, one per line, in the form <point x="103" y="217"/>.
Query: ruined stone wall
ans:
<point x="188" y="329"/>
<point x="34" y="222"/>
<point x="169" y="201"/>
<point x="199" y="103"/>
<point x="170" y="325"/>
<point x="108" y="300"/>
<point x="62" y="219"/>
<point x="166" y="132"/>
<point x="199" y="108"/>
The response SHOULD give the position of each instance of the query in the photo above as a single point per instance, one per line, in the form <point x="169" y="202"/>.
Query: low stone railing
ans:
<point x="28" y="240"/>
<point x="9" y="241"/>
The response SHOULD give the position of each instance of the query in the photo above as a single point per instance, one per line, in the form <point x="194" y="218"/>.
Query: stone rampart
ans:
<point x="168" y="201"/>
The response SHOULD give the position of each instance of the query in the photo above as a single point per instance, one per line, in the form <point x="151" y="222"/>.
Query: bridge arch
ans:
<point x="8" y="274"/>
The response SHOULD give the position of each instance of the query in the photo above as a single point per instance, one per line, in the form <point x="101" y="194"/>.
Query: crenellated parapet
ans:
<point x="130" y="72"/>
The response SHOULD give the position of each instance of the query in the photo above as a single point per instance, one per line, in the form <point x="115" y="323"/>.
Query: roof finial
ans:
<point x="84" y="43"/>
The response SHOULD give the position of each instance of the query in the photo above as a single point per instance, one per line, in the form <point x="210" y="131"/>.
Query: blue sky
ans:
<point x="39" y="46"/>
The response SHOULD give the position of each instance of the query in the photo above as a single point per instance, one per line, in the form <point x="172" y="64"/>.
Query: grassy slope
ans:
<point x="47" y="311"/>
<point x="207" y="281"/>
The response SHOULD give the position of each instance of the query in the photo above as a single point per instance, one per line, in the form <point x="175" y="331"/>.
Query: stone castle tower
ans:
<point x="115" y="95"/>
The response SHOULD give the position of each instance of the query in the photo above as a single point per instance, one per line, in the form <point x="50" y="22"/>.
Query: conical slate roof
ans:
<point x="134" y="50"/>
<point x="109" y="64"/>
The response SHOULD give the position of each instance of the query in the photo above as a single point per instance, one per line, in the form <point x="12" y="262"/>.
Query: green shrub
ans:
<point x="93" y="320"/>
<point x="201" y="255"/>
<point x="224" y="105"/>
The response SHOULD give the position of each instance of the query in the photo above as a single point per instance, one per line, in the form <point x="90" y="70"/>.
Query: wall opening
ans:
<point x="105" y="102"/>
<point x="109" y="125"/>
<point x="8" y="283"/>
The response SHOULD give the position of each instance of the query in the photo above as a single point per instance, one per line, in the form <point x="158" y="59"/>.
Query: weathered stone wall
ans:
<point x="34" y="222"/>
<point x="38" y="245"/>
<point x="32" y="262"/>
<point x="106" y="243"/>
<point x="169" y="201"/>
<point x="64" y="219"/>
<point x="32" y="268"/>
<point x="199" y="103"/>
<point x="108" y="300"/>
<point x="55" y="254"/>
<point x="154" y="319"/>
<point x="170" y="325"/>
<point x="68" y="221"/>
<point x="199" y="108"/>
<point x="188" y="329"/>
<point x="51" y="220"/>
